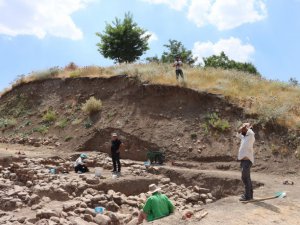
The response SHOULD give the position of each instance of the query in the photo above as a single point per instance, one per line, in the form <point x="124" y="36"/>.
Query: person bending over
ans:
<point x="79" y="165"/>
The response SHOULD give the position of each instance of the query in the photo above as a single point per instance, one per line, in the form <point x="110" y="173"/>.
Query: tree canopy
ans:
<point x="174" y="48"/>
<point x="123" y="40"/>
<point x="223" y="61"/>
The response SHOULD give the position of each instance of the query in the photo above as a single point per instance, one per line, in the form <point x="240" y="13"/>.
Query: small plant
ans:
<point x="45" y="74"/>
<point x="49" y="116"/>
<point x="27" y="123"/>
<point x="88" y="123"/>
<point x="43" y="129"/>
<point x="62" y="123"/>
<point x="110" y="116"/>
<point x="215" y="122"/>
<point x="7" y="123"/>
<point x="71" y="66"/>
<point x="76" y="121"/>
<point x="205" y="128"/>
<point x="92" y="105"/>
<point x="193" y="136"/>
<point x="75" y="74"/>
<point x="69" y="138"/>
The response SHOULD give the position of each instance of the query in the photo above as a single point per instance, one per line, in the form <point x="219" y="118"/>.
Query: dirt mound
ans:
<point x="188" y="125"/>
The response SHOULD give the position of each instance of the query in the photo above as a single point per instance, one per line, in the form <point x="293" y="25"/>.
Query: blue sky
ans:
<point x="39" y="34"/>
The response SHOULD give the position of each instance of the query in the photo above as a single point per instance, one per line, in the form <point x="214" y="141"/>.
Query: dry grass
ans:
<point x="92" y="105"/>
<point x="271" y="100"/>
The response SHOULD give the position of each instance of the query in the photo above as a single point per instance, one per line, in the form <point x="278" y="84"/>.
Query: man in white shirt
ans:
<point x="246" y="157"/>
<point x="178" y="64"/>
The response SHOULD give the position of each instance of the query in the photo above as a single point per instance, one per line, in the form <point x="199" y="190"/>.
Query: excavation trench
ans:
<point x="221" y="184"/>
<point x="136" y="148"/>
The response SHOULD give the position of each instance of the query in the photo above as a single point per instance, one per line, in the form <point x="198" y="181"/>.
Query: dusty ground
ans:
<point x="227" y="210"/>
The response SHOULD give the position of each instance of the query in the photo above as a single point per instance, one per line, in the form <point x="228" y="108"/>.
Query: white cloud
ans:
<point x="153" y="36"/>
<point x="174" y="4"/>
<point x="226" y="14"/>
<point x="233" y="48"/>
<point x="40" y="18"/>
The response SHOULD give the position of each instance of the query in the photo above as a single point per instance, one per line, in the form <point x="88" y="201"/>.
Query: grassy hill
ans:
<point x="267" y="100"/>
<point x="194" y="120"/>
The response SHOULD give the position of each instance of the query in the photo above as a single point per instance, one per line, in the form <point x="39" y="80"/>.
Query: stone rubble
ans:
<point x="27" y="184"/>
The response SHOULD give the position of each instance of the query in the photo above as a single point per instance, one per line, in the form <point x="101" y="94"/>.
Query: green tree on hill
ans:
<point x="123" y="40"/>
<point x="222" y="61"/>
<point x="174" y="48"/>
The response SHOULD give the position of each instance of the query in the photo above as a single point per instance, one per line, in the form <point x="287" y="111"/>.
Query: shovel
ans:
<point x="277" y="195"/>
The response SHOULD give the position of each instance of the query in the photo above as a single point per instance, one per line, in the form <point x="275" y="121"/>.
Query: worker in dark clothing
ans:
<point x="116" y="146"/>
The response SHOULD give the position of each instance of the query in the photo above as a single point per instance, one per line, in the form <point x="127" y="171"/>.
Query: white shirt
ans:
<point x="178" y="64"/>
<point x="246" y="147"/>
<point x="78" y="162"/>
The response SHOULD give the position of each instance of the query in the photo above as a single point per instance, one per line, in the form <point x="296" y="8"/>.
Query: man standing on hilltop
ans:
<point x="245" y="155"/>
<point x="116" y="145"/>
<point x="178" y="64"/>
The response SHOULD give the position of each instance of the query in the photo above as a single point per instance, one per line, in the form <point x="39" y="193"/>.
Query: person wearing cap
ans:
<point x="246" y="157"/>
<point x="116" y="145"/>
<point x="79" y="165"/>
<point x="178" y="64"/>
<point x="157" y="206"/>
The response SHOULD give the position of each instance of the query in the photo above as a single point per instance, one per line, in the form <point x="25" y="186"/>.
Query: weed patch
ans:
<point x="49" y="116"/>
<point x="92" y="105"/>
<point x="214" y="122"/>
<point x="62" y="123"/>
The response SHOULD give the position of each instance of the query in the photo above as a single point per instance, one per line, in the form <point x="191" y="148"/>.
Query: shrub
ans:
<point x="62" y="123"/>
<point x="43" y="129"/>
<point x="215" y="122"/>
<point x="76" y="121"/>
<point x="45" y="74"/>
<point x="69" y="138"/>
<point x="92" y="105"/>
<point x="7" y="123"/>
<point x="71" y="66"/>
<point x="88" y="123"/>
<point x="49" y="116"/>
<point x="75" y="74"/>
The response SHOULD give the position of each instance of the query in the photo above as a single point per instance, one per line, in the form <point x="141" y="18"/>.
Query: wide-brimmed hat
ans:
<point x="83" y="155"/>
<point x="114" y="135"/>
<point x="153" y="188"/>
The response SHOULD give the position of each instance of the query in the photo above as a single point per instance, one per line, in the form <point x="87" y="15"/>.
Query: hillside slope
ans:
<point x="147" y="116"/>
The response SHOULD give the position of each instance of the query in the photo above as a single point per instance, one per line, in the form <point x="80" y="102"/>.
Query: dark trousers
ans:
<point x="179" y="73"/>
<point x="246" y="166"/>
<point x="81" y="168"/>
<point x="116" y="161"/>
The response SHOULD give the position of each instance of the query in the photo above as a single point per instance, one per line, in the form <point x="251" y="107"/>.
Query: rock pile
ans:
<point x="36" y="142"/>
<point x="68" y="199"/>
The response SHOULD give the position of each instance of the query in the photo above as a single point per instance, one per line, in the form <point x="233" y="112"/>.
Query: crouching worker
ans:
<point x="157" y="206"/>
<point x="79" y="164"/>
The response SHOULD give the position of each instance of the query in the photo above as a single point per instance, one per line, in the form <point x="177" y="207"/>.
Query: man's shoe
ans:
<point x="244" y="198"/>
